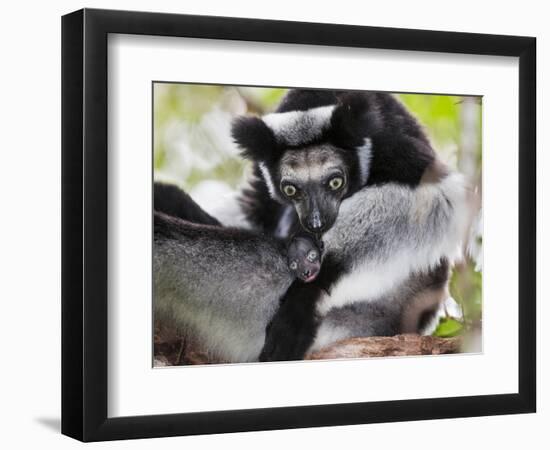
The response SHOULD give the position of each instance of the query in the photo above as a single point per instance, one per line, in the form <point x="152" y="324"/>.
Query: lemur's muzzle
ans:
<point x="315" y="223"/>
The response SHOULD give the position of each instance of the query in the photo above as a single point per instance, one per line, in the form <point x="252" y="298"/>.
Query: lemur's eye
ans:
<point x="336" y="183"/>
<point x="312" y="256"/>
<point x="289" y="190"/>
<point x="293" y="265"/>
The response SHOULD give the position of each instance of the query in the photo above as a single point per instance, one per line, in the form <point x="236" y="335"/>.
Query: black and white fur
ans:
<point x="390" y="232"/>
<point x="372" y="135"/>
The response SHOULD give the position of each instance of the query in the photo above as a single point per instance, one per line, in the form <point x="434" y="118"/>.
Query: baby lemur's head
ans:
<point x="304" y="257"/>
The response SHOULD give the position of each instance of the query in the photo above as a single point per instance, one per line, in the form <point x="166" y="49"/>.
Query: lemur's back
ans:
<point x="199" y="270"/>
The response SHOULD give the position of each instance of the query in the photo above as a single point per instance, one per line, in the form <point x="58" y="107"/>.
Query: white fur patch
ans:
<point x="220" y="201"/>
<point x="268" y="181"/>
<point x="364" y="154"/>
<point x="285" y="223"/>
<point x="299" y="127"/>
<point x="327" y="334"/>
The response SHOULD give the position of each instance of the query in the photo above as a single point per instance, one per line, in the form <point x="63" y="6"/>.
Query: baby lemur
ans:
<point x="304" y="255"/>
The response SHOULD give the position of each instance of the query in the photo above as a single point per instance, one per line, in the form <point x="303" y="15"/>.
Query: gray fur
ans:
<point x="378" y="222"/>
<point x="195" y="278"/>
<point x="310" y="164"/>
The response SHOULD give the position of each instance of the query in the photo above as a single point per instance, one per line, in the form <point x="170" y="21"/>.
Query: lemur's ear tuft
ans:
<point x="353" y="120"/>
<point x="255" y="138"/>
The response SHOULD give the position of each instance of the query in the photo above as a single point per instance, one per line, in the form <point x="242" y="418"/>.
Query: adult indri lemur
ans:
<point x="353" y="166"/>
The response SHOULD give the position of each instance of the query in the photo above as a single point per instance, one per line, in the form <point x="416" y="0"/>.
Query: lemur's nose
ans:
<point x="306" y="273"/>
<point x="315" y="221"/>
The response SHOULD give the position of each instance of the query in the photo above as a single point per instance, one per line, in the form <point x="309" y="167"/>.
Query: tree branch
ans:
<point x="400" y="345"/>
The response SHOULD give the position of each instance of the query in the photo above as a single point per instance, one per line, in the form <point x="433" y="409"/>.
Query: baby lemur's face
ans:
<point x="304" y="258"/>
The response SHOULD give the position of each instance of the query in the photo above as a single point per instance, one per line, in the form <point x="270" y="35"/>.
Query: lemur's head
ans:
<point x="312" y="153"/>
<point x="304" y="258"/>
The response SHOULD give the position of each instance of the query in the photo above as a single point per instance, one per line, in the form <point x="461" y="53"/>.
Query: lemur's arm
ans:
<point x="386" y="233"/>
<point x="291" y="332"/>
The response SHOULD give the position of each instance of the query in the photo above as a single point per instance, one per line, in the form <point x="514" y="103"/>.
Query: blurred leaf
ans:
<point x="439" y="114"/>
<point x="466" y="288"/>
<point x="448" y="327"/>
<point x="160" y="157"/>
<point x="231" y="171"/>
<point x="271" y="97"/>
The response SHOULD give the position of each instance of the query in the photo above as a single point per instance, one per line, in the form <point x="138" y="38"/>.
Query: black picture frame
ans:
<point x="84" y="224"/>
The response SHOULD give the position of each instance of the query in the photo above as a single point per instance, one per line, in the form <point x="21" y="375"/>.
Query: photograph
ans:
<point x="292" y="223"/>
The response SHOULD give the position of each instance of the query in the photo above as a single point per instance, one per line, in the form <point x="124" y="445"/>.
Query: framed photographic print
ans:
<point x="266" y="224"/>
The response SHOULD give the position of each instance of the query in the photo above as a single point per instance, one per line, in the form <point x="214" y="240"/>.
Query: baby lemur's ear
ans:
<point x="255" y="138"/>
